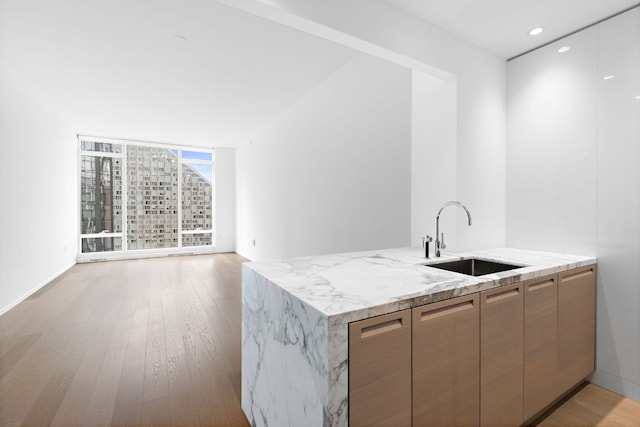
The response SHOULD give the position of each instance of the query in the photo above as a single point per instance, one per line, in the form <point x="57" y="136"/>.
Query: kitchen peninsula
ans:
<point x="296" y="315"/>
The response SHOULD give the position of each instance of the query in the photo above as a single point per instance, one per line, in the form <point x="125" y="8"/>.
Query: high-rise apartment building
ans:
<point x="157" y="182"/>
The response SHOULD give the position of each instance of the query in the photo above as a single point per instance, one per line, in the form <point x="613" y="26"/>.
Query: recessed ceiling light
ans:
<point x="536" y="31"/>
<point x="637" y="96"/>
<point x="609" y="77"/>
<point x="564" y="49"/>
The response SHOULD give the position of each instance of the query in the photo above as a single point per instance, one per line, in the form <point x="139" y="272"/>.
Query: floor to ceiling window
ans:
<point x="140" y="197"/>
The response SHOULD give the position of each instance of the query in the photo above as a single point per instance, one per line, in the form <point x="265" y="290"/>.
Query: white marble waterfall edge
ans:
<point x="284" y="356"/>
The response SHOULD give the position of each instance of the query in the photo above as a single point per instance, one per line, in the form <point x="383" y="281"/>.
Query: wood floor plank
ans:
<point x="15" y="352"/>
<point x="73" y="407"/>
<point x="128" y="405"/>
<point x="593" y="406"/>
<point x="182" y="400"/>
<point x="48" y="402"/>
<point x="17" y="398"/>
<point x="91" y="397"/>
<point x="179" y="378"/>
<point x="22" y="387"/>
<point x="156" y="383"/>
<point x="101" y="406"/>
<point x="184" y="409"/>
<point x="156" y="413"/>
<point x="204" y="357"/>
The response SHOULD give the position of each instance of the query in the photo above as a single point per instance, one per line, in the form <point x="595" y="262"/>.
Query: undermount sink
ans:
<point x="474" y="266"/>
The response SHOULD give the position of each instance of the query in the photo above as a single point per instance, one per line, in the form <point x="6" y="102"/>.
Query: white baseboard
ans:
<point x="5" y="309"/>
<point x="616" y="384"/>
<point x="150" y="253"/>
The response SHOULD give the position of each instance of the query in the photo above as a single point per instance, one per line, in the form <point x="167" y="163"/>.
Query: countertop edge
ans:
<point x="295" y="275"/>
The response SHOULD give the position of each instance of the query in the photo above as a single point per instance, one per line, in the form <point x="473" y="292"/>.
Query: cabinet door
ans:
<point x="540" y="343"/>
<point x="501" y="356"/>
<point x="446" y="372"/>
<point x="380" y="370"/>
<point x="576" y="326"/>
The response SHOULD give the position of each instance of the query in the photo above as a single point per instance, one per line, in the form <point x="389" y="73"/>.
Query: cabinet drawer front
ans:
<point x="380" y="370"/>
<point x="501" y="356"/>
<point x="446" y="372"/>
<point x="576" y="325"/>
<point x="540" y="343"/>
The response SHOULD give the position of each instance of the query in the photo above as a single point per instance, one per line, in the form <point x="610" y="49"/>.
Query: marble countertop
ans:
<point x="358" y="285"/>
<point x="296" y="314"/>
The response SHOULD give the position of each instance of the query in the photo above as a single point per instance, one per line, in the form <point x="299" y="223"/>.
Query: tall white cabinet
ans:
<point x="618" y="249"/>
<point x="573" y="169"/>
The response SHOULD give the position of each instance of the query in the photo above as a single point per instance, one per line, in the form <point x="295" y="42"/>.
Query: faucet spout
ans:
<point x="440" y="237"/>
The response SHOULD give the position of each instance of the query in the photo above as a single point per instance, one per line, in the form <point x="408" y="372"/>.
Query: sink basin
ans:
<point x="474" y="266"/>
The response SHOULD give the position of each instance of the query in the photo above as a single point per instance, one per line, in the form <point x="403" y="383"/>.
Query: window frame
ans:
<point x="126" y="252"/>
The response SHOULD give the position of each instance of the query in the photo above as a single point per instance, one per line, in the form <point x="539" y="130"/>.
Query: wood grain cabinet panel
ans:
<point x="446" y="369"/>
<point x="497" y="358"/>
<point x="380" y="370"/>
<point x="540" y="343"/>
<point x="576" y="326"/>
<point x="501" y="356"/>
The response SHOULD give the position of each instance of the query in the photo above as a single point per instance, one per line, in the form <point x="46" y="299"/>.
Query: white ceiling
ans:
<point x="502" y="26"/>
<point x="207" y="72"/>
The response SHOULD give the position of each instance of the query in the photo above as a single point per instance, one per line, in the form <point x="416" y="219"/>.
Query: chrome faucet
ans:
<point x="440" y="237"/>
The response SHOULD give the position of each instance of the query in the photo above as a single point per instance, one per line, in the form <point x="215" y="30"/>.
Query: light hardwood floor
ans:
<point x="593" y="406"/>
<point x="157" y="342"/>
<point x="140" y="342"/>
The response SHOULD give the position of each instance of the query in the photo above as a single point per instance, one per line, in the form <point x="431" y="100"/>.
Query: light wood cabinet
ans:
<point x="446" y="351"/>
<point x="380" y="370"/>
<point x="494" y="358"/>
<point x="501" y="356"/>
<point x="576" y="326"/>
<point x="540" y="343"/>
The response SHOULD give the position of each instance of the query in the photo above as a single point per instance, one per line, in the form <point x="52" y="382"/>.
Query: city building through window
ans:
<point x="139" y="196"/>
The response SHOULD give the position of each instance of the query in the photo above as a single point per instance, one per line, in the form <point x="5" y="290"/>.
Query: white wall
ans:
<point x="618" y="188"/>
<point x="385" y="30"/>
<point x="433" y="152"/>
<point x="38" y="170"/>
<point x="573" y="170"/>
<point x="333" y="173"/>
<point x="225" y="199"/>
<point x="552" y="149"/>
